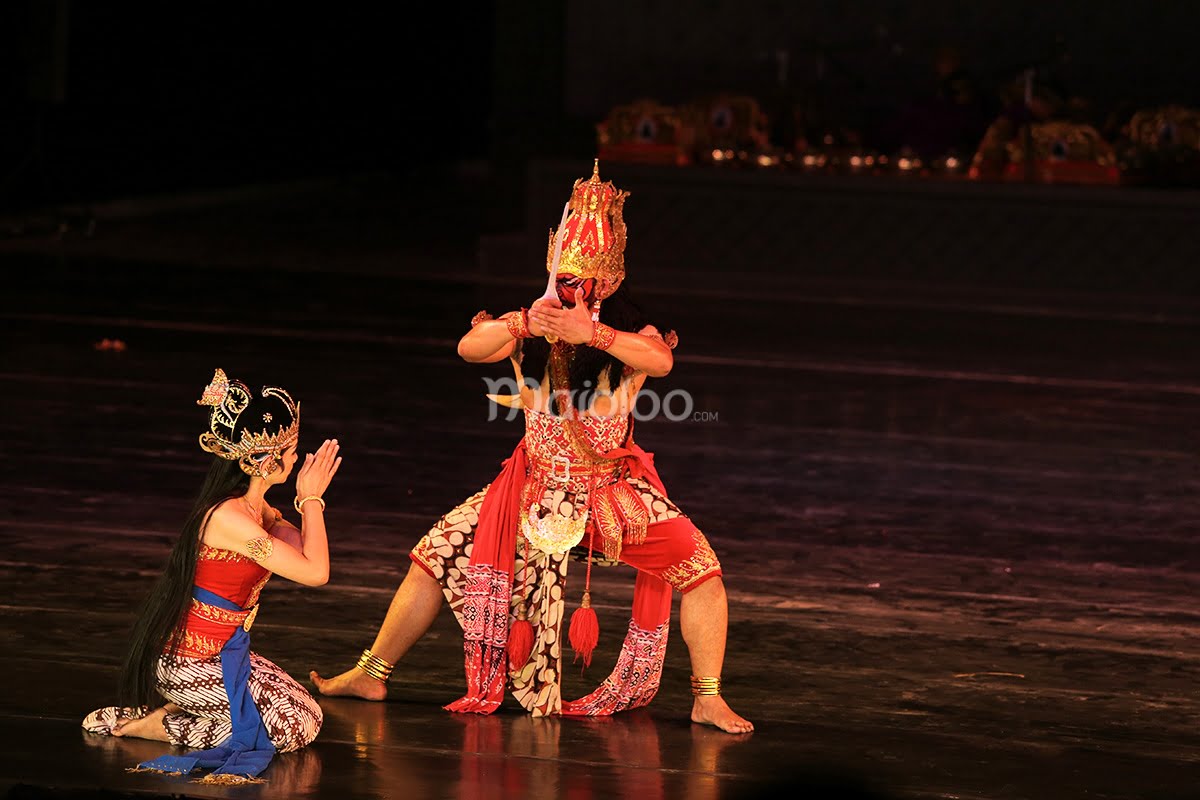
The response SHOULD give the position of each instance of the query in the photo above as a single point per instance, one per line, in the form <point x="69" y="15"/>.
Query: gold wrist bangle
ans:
<point x="299" y="502"/>
<point x="375" y="666"/>
<point x="706" y="687"/>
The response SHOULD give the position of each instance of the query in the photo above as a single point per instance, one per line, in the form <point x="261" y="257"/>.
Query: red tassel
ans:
<point x="520" y="643"/>
<point x="585" y="630"/>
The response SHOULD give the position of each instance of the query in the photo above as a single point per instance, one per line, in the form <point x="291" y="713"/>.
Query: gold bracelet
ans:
<point x="298" y="503"/>
<point x="706" y="687"/>
<point x="375" y="666"/>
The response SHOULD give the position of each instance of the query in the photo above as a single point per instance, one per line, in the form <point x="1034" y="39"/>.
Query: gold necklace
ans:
<point x="257" y="514"/>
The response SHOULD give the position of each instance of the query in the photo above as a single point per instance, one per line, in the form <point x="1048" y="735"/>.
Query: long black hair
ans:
<point x="167" y="604"/>
<point x="589" y="365"/>
<point x="165" y="608"/>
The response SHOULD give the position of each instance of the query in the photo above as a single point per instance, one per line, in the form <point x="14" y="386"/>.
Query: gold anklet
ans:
<point x="706" y="687"/>
<point x="375" y="666"/>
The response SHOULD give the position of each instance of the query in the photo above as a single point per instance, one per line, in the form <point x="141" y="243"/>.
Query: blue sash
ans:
<point x="248" y="750"/>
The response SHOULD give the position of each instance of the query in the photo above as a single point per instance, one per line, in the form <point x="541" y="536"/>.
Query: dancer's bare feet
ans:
<point x="713" y="710"/>
<point x="147" y="727"/>
<point x="351" y="683"/>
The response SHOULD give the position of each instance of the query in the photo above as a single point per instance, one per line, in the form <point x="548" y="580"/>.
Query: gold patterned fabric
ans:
<point x="594" y="490"/>
<point x="218" y="615"/>
<point x="220" y="554"/>
<point x="197" y="645"/>
<point x="693" y="569"/>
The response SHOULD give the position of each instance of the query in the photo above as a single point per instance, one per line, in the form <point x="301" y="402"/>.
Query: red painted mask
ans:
<point x="567" y="284"/>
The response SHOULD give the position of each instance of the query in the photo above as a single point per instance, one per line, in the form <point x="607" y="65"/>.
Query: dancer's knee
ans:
<point x="297" y="726"/>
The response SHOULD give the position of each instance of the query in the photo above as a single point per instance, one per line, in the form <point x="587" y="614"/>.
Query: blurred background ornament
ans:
<point x="645" y="132"/>
<point x="952" y="164"/>
<point x="1061" y="152"/>
<point x="991" y="157"/>
<point x="908" y="163"/>
<point x="836" y="151"/>
<point x="1161" y="146"/>
<point x="730" y="129"/>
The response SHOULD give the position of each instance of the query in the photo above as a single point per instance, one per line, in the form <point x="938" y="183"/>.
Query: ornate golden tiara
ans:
<point x="229" y="399"/>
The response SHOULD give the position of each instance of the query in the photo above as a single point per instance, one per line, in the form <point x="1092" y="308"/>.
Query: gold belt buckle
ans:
<point x="565" y="477"/>
<point x="249" y="621"/>
<point x="554" y="533"/>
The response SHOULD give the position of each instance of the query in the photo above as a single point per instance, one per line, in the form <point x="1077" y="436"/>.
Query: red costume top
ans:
<point x="232" y="576"/>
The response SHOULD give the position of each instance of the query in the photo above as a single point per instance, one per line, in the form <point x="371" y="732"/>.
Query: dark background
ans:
<point x="136" y="97"/>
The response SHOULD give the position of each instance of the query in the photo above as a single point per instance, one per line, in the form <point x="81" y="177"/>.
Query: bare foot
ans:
<point x="713" y="710"/>
<point x="103" y="720"/>
<point x="148" y="727"/>
<point x="351" y="683"/>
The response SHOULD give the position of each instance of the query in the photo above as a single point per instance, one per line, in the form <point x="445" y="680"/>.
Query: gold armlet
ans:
<point x="375" y="666"/>
<point x="261" y="548"/>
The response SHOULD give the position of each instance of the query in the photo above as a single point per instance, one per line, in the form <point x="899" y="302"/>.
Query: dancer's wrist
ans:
<point x="603" y="336"/>
<point x="300" y="503"/>
<point x="518" y="324"/>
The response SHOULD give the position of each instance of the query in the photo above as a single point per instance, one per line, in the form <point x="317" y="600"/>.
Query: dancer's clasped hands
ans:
<point x="572" y="325"/>
<point x="318" y="470"/>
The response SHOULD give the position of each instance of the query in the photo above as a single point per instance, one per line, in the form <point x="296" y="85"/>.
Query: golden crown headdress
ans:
<point x="593" y="234"/>
<point x="229" y="399"/>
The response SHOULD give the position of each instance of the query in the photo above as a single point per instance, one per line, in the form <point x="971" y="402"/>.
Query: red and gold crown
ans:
<point x="229" y="399"/>
<point x="593" y="242"/>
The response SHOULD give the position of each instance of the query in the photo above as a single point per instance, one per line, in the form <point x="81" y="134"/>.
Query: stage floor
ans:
<point x="957" y="528"/>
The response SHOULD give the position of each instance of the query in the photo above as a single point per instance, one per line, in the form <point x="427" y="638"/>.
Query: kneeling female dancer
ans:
<point x="191" y="643"/>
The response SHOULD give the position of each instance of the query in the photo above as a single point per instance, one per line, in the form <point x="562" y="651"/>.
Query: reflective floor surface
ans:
<point x="957" y="528"/>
